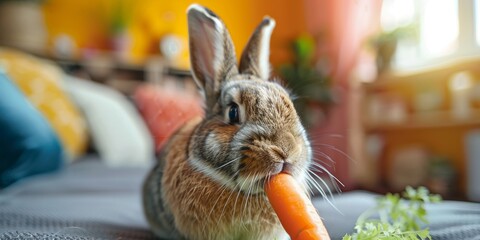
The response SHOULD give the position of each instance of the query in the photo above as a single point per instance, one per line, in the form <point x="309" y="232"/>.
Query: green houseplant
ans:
<point x="310" y="87"/>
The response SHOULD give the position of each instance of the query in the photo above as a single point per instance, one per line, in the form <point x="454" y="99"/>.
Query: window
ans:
<point x="438" y="27"/>
<point x="445" y="29"/>
<point x="477" y="21"/>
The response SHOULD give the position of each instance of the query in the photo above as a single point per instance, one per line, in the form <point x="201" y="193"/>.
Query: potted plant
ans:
<point x="119" y="19"/>
<point x="385" y="44"/>
<point x="311" y="88"/>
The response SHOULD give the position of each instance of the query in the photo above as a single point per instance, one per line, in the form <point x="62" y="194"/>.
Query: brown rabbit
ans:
<point x="208" y="183"/>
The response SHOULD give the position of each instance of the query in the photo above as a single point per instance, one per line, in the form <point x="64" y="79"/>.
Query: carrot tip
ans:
<point x="313" y="234"/>
<point x="294" y="209"/>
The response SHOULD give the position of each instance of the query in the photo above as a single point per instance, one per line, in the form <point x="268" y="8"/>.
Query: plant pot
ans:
<point x="385" y="52"/>
<point x="22" y="26"/>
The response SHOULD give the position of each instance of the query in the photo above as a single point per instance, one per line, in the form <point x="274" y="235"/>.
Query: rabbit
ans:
<point x="208" y="181"/>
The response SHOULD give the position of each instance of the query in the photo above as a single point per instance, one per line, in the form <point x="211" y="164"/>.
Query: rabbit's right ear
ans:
<point x="212" y="54"/>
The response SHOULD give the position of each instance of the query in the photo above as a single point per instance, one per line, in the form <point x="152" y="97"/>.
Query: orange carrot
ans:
<point x="294" y="209"/>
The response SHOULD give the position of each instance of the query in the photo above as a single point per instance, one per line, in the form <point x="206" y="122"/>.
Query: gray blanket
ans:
<point x="89" y="200"/>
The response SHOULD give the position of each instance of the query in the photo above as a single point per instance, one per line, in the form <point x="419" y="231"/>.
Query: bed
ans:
<point x="90" y="200"/>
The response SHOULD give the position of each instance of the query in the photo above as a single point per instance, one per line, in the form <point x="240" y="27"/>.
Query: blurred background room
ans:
<point x="389" y="91"/>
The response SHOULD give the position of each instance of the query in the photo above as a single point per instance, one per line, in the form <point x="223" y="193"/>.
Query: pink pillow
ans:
<point x="165" y="110"/>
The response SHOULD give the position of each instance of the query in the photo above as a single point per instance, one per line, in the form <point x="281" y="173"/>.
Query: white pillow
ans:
<point x="117" y="130"/>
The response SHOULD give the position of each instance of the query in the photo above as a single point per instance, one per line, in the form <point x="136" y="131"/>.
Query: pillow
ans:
<point x="165" y="110"/>
<point x="41" y="82"/>
<point x="117" y="130"/>
<point x="28" y="145"/>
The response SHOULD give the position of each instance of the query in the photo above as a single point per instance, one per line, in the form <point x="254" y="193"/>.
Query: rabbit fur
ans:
<point x="208" y="181"/>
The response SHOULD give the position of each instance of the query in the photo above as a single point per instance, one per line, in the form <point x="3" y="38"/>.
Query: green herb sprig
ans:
<point x="397" y="218"/>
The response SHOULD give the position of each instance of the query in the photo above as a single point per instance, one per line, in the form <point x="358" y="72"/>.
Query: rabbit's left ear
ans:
<point x="255" y="56"/>
<point x="212" y="54"/>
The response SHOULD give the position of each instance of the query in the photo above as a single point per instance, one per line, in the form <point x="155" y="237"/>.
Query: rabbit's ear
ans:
<point x="212" y="54"/>
<point x="254" y="59"/>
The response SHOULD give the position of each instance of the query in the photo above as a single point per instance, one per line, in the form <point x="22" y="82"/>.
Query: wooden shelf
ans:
<point x="437" y="131"/>
<point x="111" y="64"/>
<point x="427" y="120"/>
<point x="426" y="74"/>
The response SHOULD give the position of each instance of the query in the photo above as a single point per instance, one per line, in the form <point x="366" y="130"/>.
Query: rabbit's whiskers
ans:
<point x="226" y="202"/>
<point x="227" y="163"/>
<point x="223" y="187"/>
<point x="331" y="147"/>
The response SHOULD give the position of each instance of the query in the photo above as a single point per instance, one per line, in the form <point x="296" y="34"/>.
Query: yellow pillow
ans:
<point x="41" y="82"/>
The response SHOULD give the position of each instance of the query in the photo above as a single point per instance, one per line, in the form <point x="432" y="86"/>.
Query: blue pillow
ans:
<point x="28" y="145"/>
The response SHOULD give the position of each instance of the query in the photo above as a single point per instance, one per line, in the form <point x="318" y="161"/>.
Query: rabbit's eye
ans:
<point x="234" y="114"/>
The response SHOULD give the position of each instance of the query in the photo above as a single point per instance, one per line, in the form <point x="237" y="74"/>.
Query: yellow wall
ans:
<point x="86" y="21"/>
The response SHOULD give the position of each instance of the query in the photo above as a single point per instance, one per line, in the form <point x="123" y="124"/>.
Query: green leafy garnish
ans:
<point x="396" y="218"/>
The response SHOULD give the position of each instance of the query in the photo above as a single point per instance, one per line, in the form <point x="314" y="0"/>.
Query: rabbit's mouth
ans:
<point x="254" y="184"/>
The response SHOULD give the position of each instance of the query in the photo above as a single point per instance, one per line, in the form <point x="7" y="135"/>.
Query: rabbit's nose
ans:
<point x="286" y="141"/>
<point x="278" y="153"/>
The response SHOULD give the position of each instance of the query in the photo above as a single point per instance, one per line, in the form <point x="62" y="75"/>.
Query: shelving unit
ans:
<point x="426" y="120"/>
<point x="438" y="130"/>
<point x="124" y="76"/>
